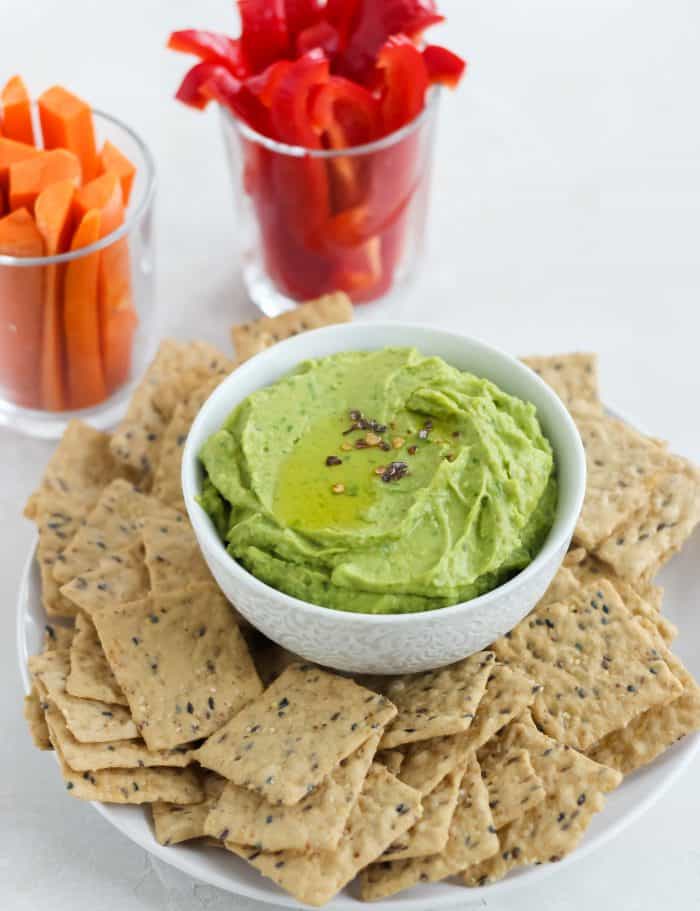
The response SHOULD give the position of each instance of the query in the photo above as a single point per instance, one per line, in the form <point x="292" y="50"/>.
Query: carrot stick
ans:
<point x="28" y="178"/>
<point x="66" y="123"/>
<point x="54" y="219"/>
<point x="117" y="315"/>
<point x="86" y="382"/>
<point x="112" y="161"/>
<point x="21" y="297"/>
<point x="17" y="111"/>
<point x="10" y="153"/>
<point x="3" y="204"/>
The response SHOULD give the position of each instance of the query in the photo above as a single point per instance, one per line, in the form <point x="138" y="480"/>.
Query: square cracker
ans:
<point x="36" y="722"/>
<point x="172" y="554"/>
<point x="508" y="693"/>
<point x="575" y="786"/>
<point x="385" y="809"/>
<point x="252" y="338"/>
<point x="437" y="703"/>
<point x="89" y="720"/>
<point x="289" y="740"/>
<point x="90" y="675"/>
<point x="574" y="378"/>
<point x="599" y="667"/>
<point x="641" y="545"/>
<point x="513" y="785"/>
<point x="119" y="754"/>
<point x="181" y="661"/>
<point x="429" y="835"/>
<point x="316" y="823"/>
<point x="112" y="526"/>
<point x="176" y="822"/>
<point x="472" y="838"/>
<point x="118" y="579"/>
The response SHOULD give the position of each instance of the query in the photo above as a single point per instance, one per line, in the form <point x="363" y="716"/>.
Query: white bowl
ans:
<point x="403" y="643"/>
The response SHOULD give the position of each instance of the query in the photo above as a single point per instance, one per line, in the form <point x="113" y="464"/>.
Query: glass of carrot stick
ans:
<point x="76" y="275"/>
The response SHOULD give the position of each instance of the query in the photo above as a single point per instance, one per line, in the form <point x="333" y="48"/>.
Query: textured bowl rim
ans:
<point x="215" y="548"/>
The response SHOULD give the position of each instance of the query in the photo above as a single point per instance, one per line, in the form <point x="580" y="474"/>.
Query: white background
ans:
<point x="566" y="215"/>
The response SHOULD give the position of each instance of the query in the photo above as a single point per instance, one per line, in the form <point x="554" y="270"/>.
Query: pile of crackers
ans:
<point x="151" y="689"/>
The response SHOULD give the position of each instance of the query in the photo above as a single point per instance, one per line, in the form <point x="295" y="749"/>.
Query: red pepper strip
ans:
<point x="264" y="85"/>
<point x="211" y="81"/>
<point x="405" y="82"/>
<point x="322" y="35"/>
<point x="264" y="38"/>
<point x="346" y="112"/>
<point x="301" y="14"/>
<point x="290" y="104"/>
<point x="374" y="23"/>
<point x="443" y="66"/>
<point x="210" y="47"/>
<point x="342" y="15"/>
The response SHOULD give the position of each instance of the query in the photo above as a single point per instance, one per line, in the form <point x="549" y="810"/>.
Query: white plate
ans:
<point x="623" y="806"/>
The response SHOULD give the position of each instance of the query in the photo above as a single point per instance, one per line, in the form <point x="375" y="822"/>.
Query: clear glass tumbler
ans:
<point x="315" y="221"/>
<point x="75" y="328"/>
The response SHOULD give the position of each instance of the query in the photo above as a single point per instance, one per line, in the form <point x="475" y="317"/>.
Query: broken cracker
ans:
<point x="175" y="822"/>
<point x="90" y="675"/>
<point x="172" y="553"/>
<point x="513" y="785"/>
<point x="118" y="579"/>
<point x="36" y="722"/>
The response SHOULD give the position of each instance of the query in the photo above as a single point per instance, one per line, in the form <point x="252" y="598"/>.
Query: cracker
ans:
<point x="574" y="378"/>
<point x="58" y="638"/>
<point x="272" y="659"/>
<point x="207" y="364"/>
<point x="251" y="338"/>
<point x="36" y="722"/>
<point x="508" y="693"/>
<point x="391" y="759"/>
<point x="286" y="742"/>
<point x="316" y="823"/>
<point x="641" y="545"/>
<point x="437" y="703"/>
<point x="118" y="579"/>
<point x="181" y="661"/>
<point x="472" y="838"/>
<point x="513" y="785"/>
<point x="599" y="667"/>
<point x="429" y="835"/>
<point x="176" y="822"/>
<point x="89" y="720"/>
<point x="57" y="521"/>
<point x="575" y="786"/>
<point x="385" y="809"/>
<point x="167" y="483"/>
<point x="90" y="675"/>
<point x="172" y="554"/>
<point x="113" y="525"/>
<point x="119" y="754"/>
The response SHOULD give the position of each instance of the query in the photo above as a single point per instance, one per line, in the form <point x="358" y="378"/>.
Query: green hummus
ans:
<point x="381" y="482"/>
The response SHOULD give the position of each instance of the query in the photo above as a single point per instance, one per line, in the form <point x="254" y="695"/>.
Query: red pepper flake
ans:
<point x="395" y="471"/>
<point x="333" y="460"/>
<point x="412" y="450"/>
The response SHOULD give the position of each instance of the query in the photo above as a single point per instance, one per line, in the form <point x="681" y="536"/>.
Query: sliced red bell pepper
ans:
<point x="372" y="22"/>
<point x="405" y="82"/>
<point x="444" y="67"/>
<point x="210" y="47"/>
<point x="342" y="14"/>
<point x="301" y="14"/>
<point x="264" y="85"/>
<point x="322" y="35"/>
<point x="264" y="36"/>
<point x="346" y="112"/>
<point x="290" y="104"/>
<point x="206" y="82"/>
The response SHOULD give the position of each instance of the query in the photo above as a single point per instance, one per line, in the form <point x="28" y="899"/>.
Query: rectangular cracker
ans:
<point x="472" y="838"/>
<point x="508" y="693"/>
<point x="118" y="579"/>
<point x="574" y="378"/>
<point x="181" y="661"/>
<point x="430" y="834"/>
<point x="57" y="520"/>
<point x="112" y="526"/>
<point x="316" y="823"/>
<point x="172" y="555"/>
<point x="513" y="785"/>
<point x="36" y="722"/>
<point x="599" y="667"/>
<point x="89" y="720"/>
<point x="119" y="754"/>
<point x="437" y="703"/>
<point x="90" y="675"/>
<point x="289" y="740"/>
<point x="175" y="822"/>
<point x="385" y="809"/>
<point x="251" y="338"/>
<point x="202" y="364"/>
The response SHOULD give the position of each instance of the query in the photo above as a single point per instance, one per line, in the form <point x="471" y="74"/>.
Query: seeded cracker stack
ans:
<point x="157" y="692"/>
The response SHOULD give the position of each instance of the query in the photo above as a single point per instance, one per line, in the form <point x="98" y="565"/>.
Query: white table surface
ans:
<point x="565" y="216"/>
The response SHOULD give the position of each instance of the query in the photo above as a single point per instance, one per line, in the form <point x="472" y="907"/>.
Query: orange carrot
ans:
<point x="28" y="178"/>
<point x="117" y="315"/>
<point x="17" y="111"/>
<point x="10" y="153"/>
<point x="66" y="123"/>
<point x="3" y="204"/>
<point x="54" y="219"/>
<point x="112" y="161"/>
<point x="21" y="298"/>
<point x="86" y="382"/>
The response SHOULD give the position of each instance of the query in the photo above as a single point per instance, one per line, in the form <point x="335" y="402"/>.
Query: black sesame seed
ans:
<point x="154" y="619"/>
<point x="581" y="799"/>
<point x="190" y="708"/>
<point x="283" y="703"/>
<point x="401" y="809"/>
<point x="210" y="702"/>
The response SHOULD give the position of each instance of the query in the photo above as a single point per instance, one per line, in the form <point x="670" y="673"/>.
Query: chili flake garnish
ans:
<point x="333" y="460"/>
<point x="359" y="422"/>
<point x="412" y="450"/>
<point x="380" y="469"/>
<point x="338" y="488"/>
<point x="450" y="456"/>
<point x="397" y="442"/>
<point x="372" y="439"/>
<point x="346" y="447"/>
<point x="395" y="471"/>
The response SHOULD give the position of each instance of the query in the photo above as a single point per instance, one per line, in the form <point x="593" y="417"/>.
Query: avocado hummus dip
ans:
<point x="381" y="482"/>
